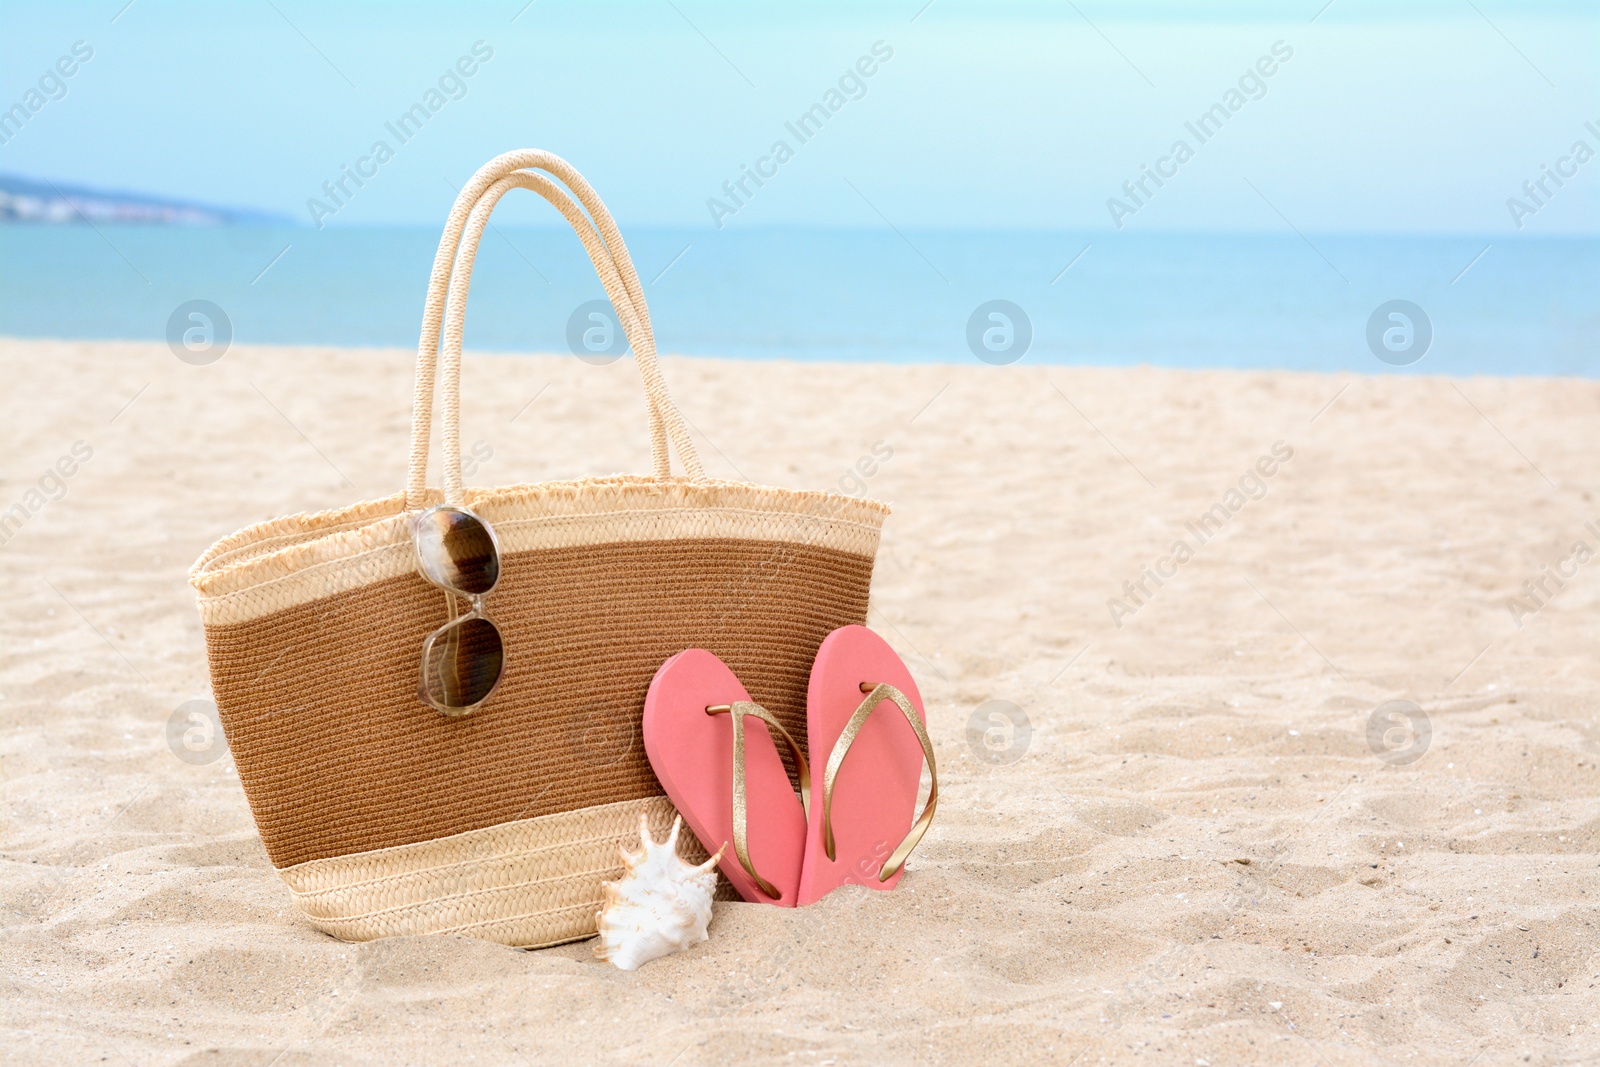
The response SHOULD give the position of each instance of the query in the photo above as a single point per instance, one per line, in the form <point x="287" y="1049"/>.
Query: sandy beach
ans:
<point x="1195" y="852"/>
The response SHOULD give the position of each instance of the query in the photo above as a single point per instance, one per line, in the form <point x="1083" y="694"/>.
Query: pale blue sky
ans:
<point x="1418" y="117"/>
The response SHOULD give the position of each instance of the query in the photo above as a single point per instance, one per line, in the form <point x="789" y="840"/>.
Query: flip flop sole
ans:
<point x="875" y="792"/>
<point x="691" y="753"/>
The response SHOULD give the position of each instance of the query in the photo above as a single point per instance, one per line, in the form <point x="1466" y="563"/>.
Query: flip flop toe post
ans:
<point x="866" y="720"/>
<point x="715" y="753"/>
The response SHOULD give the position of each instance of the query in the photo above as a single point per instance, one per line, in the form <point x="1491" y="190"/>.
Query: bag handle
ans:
<point x="455" y="307"/>
<point x="449" y="288"/>
<point x="451" y="279"/>
<point x="604" y="265"/>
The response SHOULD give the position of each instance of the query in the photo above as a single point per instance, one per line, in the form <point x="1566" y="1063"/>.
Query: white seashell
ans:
<point x="660" y="906"/>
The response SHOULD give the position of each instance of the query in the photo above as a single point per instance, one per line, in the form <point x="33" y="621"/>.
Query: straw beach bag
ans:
<point x="385" y="816"/>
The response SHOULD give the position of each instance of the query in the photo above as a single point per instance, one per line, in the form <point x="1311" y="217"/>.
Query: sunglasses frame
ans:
<point x="473" y="599"/>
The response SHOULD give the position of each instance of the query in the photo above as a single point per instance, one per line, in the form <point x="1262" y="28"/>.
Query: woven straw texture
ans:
<point x="291" y="561"/>
<point x="386" y="817"/>
<point x="337" y="754"/>
<point x="528" y="883"/>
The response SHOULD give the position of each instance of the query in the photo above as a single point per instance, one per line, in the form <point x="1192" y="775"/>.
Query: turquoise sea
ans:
<point x="1495" y="305"/>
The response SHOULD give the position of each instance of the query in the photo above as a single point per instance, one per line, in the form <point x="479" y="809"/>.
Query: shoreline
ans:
<point x="1376" y="371"/>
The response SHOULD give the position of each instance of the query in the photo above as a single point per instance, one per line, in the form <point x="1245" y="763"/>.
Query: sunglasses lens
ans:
<point x="463" y="663"/>
<point x="456" y="550"/>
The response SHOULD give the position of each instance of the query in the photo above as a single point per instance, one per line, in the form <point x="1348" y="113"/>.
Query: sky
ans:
<point x="1377" y="117"/>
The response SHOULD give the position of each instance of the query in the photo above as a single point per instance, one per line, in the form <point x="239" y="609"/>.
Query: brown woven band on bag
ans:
<point x="386" y="817"/>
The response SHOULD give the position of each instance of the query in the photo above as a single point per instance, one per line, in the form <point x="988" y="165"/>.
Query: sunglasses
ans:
<point x="462" y="660"/>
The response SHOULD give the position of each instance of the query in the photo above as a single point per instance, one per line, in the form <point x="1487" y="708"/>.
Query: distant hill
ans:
<point x="26" y="200"/>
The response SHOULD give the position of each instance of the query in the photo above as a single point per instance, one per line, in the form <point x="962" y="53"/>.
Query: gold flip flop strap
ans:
<point x="737" y="711"/>
<point x="852" y="730"/>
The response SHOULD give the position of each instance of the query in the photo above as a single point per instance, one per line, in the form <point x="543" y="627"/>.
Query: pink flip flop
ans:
<point x="865" y="714"/>
<point x="723" y="774"/>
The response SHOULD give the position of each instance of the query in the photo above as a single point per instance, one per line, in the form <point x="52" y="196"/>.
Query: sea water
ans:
<point x="1493" y="305"/>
